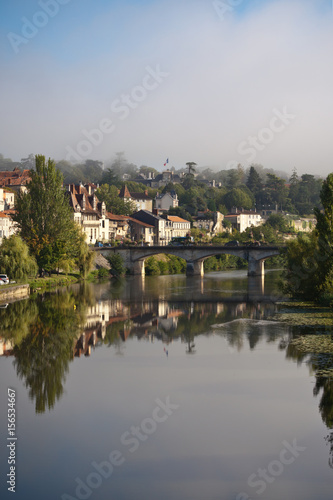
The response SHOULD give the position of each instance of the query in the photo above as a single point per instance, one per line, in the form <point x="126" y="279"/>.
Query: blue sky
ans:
<point x="191" y="80"/>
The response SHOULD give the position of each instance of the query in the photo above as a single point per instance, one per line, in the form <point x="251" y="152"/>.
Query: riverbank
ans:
<point x="53" y="281"/>
<point x="14" y="292"/>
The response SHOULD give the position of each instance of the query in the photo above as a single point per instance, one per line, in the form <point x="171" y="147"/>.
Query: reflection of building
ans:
<point x="6" y="347"/>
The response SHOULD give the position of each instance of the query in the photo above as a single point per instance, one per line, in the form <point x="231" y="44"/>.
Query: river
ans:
<point x="162" y="388"/>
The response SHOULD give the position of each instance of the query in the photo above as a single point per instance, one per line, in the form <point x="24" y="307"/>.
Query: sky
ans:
<point x="214" y="82"/>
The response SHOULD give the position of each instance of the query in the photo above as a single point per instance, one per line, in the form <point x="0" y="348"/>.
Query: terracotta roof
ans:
<point x="175" y="218"/>
<point x="3" y="215"/>
<point x="111" y="216"/>
<point x="124" y="192"/>
<point x="14" y="178"/>
<point x="77" y="193"/>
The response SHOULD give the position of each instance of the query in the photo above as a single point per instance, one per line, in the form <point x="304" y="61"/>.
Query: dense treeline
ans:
<point x="310" y="257"/>
<point x="253" y="188"/>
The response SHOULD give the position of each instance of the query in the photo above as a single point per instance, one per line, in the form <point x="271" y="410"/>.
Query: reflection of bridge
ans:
<point x="134" y="257"/>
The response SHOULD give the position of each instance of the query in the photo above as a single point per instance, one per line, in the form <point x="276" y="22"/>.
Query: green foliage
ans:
<point x="278" y="222"/>
<point x="90" y="171"/>
<point x="238" y="198"/>
<point x="114" y="204"/>
<point x="16" y="260"/>
<point x="117" y="265"/>
<point x="168" y="264"/>
<point x="44" y="217"/>
<point x="180" y="212"/>
<point x="303" y="267"/>
<point x="103" y="273"/>
<point x="42" y="356"/>
<point x="152" y="267"/>
<point x="84" y="257"/>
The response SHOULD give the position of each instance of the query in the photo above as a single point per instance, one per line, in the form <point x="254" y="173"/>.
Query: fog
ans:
<point x="173" y="80"/>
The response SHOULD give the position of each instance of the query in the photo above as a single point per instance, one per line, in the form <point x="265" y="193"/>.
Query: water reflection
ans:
<point x="40" y="333"/>
<point x="323" y="385"/>
<point x="46" y="333"/>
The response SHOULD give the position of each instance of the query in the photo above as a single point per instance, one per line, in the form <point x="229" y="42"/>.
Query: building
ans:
<point x="241" y="219"/>
<point x="15" y="179"/>
<point x="141" y="231"/>
<point x="303" y="225"/>
<point x="165" y="178"/>
<point x="179" y="227"/>
<point x="166" y="201"/>
<point x="210" y="222"/>
<point x="141" y="200"/>
<point x="7" y="226"/>
<point x="119" y="227"/>
<point x="7" y="199"/>
<point x="158" y="223"/>
<point x="88" y="212"/>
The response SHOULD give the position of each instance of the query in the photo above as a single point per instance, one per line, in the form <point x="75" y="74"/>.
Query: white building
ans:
<point x="180" y="227"/>
<point x="166" y="201"/>
<point x="242" y="219"/>
<point x="7" y="226"/>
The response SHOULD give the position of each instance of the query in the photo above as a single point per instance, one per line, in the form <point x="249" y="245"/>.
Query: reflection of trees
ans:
<point x="16" y="320"/>
<point x="318" y="362"/>
<point x="43" y="356"/>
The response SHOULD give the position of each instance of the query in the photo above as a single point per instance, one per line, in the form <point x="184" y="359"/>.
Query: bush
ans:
<point x="103" y="273"/>
<point x="117" y="265"/>
<point x="152" y="267"/>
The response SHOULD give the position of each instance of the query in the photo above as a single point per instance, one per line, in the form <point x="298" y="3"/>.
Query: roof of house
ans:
<point x="145" y="216"/>
<point x="175" y="218"/>
<point x="122" y="218"/>
<point x="124" y="193"/>
<point x="78" y="193"/>
<point x="140" y="223"/>
<point x="15" y="177"/>
<point x="172" y="194"/>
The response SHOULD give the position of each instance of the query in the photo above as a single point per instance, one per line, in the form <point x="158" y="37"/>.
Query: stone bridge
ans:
<point x="134" y="257"/>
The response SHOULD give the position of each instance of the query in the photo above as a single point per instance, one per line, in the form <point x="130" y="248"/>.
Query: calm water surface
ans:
<point x="167" y="388"/>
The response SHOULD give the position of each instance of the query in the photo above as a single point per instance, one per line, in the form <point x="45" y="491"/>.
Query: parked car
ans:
<point x="232" y="243"/>
<point x="4" y="278"/>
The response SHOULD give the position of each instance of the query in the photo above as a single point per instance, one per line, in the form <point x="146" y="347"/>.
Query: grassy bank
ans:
<point x="53" y="281"/>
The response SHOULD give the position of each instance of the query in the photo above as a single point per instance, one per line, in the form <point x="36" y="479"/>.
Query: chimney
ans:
<point x="146" y="192"/>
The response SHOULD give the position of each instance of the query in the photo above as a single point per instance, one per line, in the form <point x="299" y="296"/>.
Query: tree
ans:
<point x="28" y="163"/>
<point x="237" y="198"/>
<point x="16" y="260"/>
<point x="191" y="167"/>
<point x="109" y="177"/>
<point x="278" y="222"/>
<point x="44" y="218"/>
<point x="310" y="257"/>
<point x="114" y="204"/>
<point x="254" y="184"/>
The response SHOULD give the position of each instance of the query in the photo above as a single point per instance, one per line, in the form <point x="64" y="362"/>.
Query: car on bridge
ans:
<point x="181" y="241"/>
<point x="232" y="243"/>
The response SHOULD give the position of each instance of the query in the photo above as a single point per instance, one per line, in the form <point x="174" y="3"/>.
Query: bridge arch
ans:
<point x="134" y="257"/>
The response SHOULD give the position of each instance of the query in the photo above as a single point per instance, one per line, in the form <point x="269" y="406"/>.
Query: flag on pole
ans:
<point x="167" y="161"/>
